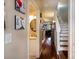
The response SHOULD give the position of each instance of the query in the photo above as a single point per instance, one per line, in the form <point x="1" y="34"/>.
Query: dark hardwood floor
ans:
<point x="48" y="51"/>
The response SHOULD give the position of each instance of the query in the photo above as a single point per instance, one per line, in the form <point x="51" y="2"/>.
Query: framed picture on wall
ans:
<point x="19" y="23"/>
<point x="20" y="6"/>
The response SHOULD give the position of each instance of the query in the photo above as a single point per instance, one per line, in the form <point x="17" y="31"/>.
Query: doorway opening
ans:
<point x="53" y="29"/>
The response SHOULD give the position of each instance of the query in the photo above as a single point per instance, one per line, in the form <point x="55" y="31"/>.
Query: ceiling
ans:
<point x="47" y="4"/>
<point x="47" y="8"/>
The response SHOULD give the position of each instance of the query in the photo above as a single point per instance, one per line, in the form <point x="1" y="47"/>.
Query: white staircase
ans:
<point x="63" y="41"/>
<point x="61" y="35"/>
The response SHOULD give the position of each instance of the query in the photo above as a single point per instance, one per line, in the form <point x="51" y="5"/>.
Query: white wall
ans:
<point x="17" y="49"/>
<point x="71" y="52"/>
<point x="34" y="45"/>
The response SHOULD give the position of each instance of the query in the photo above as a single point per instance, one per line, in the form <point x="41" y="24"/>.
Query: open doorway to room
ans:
<point x="53" y="29"/>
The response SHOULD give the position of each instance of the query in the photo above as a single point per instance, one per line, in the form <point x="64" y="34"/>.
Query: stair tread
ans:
<point x="64" y="36"/>
<point x="65" y="31"/>
<point x="63" y="43"/>
<point x="63" y="40"/>
<point x="63" y="49"/>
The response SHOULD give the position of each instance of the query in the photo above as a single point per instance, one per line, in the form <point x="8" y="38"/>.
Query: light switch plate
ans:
<point x="7" y="38"/>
